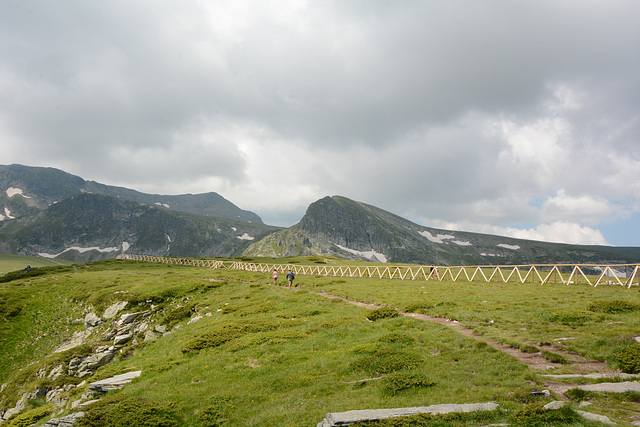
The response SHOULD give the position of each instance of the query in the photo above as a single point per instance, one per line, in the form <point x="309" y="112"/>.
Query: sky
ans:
<point x="520" y="119"/>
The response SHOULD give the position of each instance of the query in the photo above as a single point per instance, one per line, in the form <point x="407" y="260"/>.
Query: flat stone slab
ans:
<point x="114" y="382"/>
<point x="595" y="376"/>
<point x="351" y="417"/>
<point x="612" y="387"/>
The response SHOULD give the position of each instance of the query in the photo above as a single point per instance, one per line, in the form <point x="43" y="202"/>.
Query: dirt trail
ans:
<point x="532" y="360"/>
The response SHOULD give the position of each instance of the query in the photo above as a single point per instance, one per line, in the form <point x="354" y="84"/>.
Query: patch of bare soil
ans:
<point x="536" y="361"/>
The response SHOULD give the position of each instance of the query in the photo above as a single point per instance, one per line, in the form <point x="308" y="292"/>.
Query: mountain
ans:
<point x="345" y="228"/>
<point x="26" y="190"/>
<point x="88" y="227"/>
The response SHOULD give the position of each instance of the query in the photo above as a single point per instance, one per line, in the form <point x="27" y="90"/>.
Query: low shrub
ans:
<point x="179" y="313"/>
<point x="453" y="419"/>
<point x="382" y="313"/>
<point x="577" y="394"/>
<point x="30" y="417"/>
<point x="403" y="380"/>
<point x="527" y="348"/>
<point x="384" y="361"/>
<point x="570" y="316"/>
<point x="535" y="415"/>
<point x="554" y="357"/>
<point x="627" y="356"/>
<point x="613" y="306"/>
<point x="118" y="411"/>
<point x="225" y="333"/>
<point x="397" y="337"/>
<point x="420" y="307"/>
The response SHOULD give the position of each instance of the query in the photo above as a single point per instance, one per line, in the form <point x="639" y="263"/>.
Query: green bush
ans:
<point x="384" y="361"/>
<point x="627" y="355"/>
<point x="29" y="417"/>
<point x="577" y="394"/>
<point x="535" y="415"/>
<point x="225" y="333"/>
<point x="397" y="337"/>
<point x="613" y="306"/>
<point x="403" y="380"/>
<point x="420" y="307"/>
<point x="453" y="419"/>
<point x="526" y="348"/>
<point x="382" y="313"/>
<point x="554" y="357"/>
<point x="570" y="316"/>
<point x="118" y="411"/>
<point x="179" y="313"/>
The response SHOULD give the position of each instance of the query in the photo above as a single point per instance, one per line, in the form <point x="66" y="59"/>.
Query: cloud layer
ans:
<point x="508" y="117"/>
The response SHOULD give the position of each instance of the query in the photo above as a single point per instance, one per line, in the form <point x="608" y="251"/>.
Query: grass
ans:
<point x="265" y="355"/>
<point x="19" y="262"/>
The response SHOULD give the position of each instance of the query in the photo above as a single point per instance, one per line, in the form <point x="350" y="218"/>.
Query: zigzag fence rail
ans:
<point x="592" y="274"/>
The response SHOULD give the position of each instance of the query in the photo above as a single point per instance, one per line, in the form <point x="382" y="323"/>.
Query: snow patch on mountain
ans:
<point x="81" y="250"/>
<point x="440" y="238"/>
<point x="372" y="255"/>
<point x="7" y="214"/>
<point x="11" y="191"/>
<point x="506" y="246"/>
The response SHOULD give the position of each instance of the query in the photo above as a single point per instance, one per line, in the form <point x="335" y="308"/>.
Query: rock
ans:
<point x="57" y="371"/>
<point x="20" y="405"/>
<point x="38" y="393"/>
<point x="128" y="318"/>
<point x="556" y="404"/>
<point x="91" y="320"/>
<point x="612" y="387"/>
<point x="151" y="336"/>
<point x="77" y="339"/>
<point x="84" y="366"/>
<point x="595" y="417"/>
<point x="113" y="309"/>
<point x="121" y="339"/>
<point x="194" y="319"/>
<point x="366" y="415"/>
<point x="161" y="328"/>
<point x="55" y="396"/>
<point x="141" y="327"/>
<point x="67" y="421"/>
<point x="109" y="335"/>
<point x="115" y="382"/>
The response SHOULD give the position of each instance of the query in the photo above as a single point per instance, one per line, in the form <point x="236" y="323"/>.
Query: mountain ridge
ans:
<point x="342" y="227"/>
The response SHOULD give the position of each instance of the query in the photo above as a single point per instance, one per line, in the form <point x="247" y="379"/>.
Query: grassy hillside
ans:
<point x="19" y="262"/>
<point x="263" y="355"/>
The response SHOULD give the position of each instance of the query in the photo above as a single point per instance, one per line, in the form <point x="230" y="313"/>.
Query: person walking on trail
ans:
<point x="290" y="277"/>
<point x="275" y="277"/>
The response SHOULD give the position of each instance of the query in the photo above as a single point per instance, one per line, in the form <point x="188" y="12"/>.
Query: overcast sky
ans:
<point x="505" y="117"/>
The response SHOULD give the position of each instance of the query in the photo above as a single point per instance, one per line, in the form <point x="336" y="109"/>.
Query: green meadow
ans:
<point x="264" y="355"/>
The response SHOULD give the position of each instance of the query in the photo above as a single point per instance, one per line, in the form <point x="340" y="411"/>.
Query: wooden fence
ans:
<point x="592" y="274"/>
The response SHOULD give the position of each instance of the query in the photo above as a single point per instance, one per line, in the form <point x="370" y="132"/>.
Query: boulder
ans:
<point x="20" y="405"/>
<point x="152" y="335"/>
<point x="368" y="415"/>
<point x="121" y="339"/>
<point x="128" y="318"/>
<point x="84" y="366"/>
<point x="115" y="382"/>
<point x="113" y="309"/>
<point x="67" y="421"/>
<point x="91" y="320"/>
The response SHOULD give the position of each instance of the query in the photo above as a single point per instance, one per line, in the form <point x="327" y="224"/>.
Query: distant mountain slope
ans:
<point x="342" y="227"/>
<point x="25" y="190"/>
<point x="88" y="227"/>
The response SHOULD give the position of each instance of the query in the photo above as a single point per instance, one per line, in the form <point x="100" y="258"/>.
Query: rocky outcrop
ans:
<point x="67" y="421"/>
<point x="114" y="383"/>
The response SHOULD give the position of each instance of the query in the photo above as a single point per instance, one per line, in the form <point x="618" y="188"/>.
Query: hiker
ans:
<point x="275" y="277"/>
<point x="290" y="277"/>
